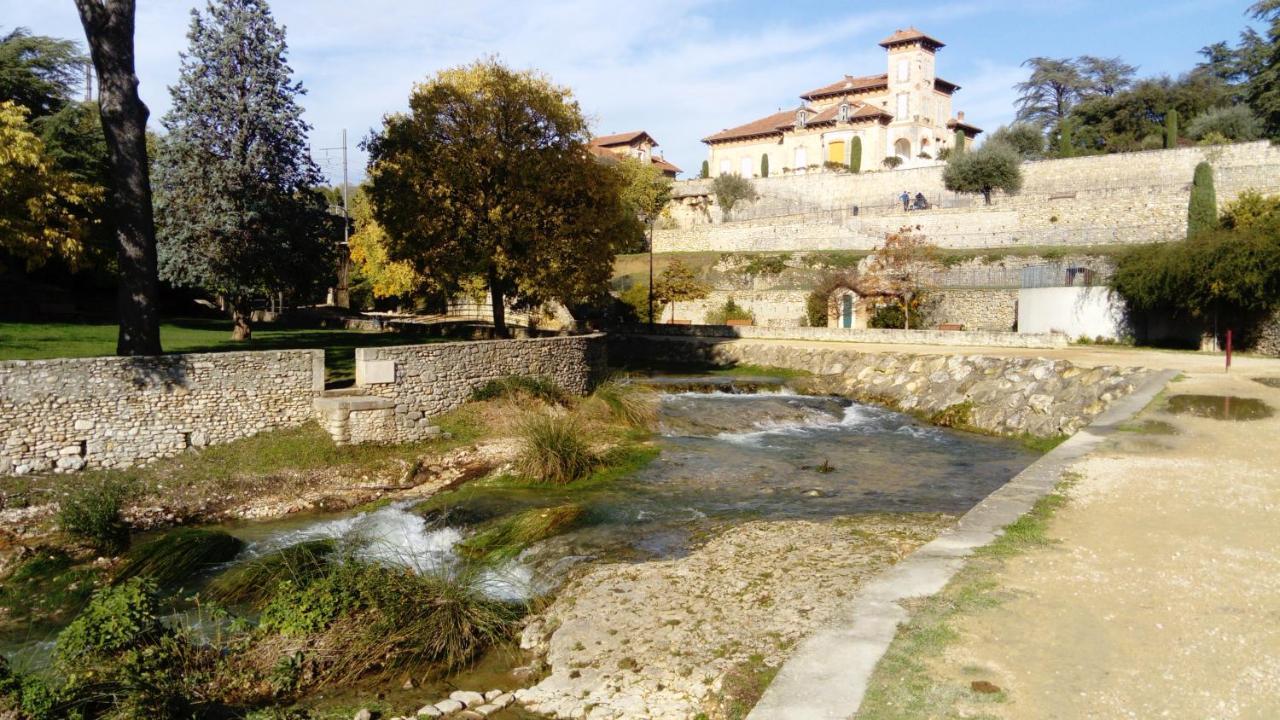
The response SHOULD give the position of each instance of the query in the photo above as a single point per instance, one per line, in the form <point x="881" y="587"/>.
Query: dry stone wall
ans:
<point x="426" y="380"/>
<point x="1000" y="395"/>
<point x="1103" y="199"/>
<point x="111" y="412"/>
<point x="977" y="309"/>
<point x="946" y="338"/>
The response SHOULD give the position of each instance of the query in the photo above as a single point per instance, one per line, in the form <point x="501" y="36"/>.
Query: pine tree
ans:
<point x="237" y="207"/>
<point x="1202" y="212"/>
<point x="855" y="155"/>
<point x="764" y="165"/>
<point x="1171" y="129"/>
<point x="706" y="170"/>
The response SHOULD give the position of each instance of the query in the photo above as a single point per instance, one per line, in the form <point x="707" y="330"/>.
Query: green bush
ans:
<point x="1202" y="211"/>
<point x="818" y="304"/>
<point x="254" y="582"/>
<point x="834" y="166"/>
<point x="891" y="162"/>
<point x="1235" y="123"/>
<point x="732" y="189"/>
<point x="117" y="619"/>
<point x="637" y="298"/>
<point x="729" y="311"/>
<point x="91" y="513"/>
<point x="554" y="449"/>
<point x="178" y="555"/>
<point x="542" y="388"/>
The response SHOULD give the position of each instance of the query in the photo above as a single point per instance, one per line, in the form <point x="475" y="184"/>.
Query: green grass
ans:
<point x="554" y="449"/>
<point x="47" y="588"/>
<point x="507" y="537"/>
<point x="904" y="685"/>
<point x="178" y="555"/>
<point x="1041" y="444"/>
<point x="253" y="582"/>
<point x="39" y="341"/>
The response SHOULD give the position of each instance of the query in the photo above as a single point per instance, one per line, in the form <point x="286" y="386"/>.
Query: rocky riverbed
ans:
<point x="657" y="639"/>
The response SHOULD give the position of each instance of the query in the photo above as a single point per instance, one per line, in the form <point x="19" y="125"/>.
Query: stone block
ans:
<point x="375" y="372"/>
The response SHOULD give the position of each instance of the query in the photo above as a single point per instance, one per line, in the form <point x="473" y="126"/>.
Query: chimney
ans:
<point x="960" y="116"/>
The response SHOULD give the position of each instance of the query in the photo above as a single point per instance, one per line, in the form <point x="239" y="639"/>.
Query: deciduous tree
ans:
<point x="732" y="189"/>
<point x="1048" y="95"/>
<point x="1025" y="139"/>
<point x="994" y="166"/>
<point x="678" y="283"/>
<point x="108" y="26"/>
<point x="900" y="270"/>
<point x="488" y="175"/>
<point x="238" y="203"/>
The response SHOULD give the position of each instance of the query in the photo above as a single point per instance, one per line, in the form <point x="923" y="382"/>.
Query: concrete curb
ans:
<point x="826" y="678"/>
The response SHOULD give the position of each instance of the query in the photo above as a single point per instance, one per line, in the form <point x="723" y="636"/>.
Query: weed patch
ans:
<point x="91" y="512"/>
<point x="542" y="388"/>
<point x="178" y="555"/>
<point x="554" y="449"/>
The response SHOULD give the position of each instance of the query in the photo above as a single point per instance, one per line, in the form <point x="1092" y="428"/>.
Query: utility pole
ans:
<point x="341" y="295"/>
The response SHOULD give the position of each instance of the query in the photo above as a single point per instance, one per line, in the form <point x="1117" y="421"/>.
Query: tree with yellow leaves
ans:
<point x="386" y="278"/>
<point x="44" y="211"/>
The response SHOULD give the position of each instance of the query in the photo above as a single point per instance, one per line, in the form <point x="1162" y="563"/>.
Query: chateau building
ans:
<point x="903" y="113"/>
<point x="637" y="144"/>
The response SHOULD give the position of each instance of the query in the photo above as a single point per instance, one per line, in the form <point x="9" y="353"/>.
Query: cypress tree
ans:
<point x="855" y="155"/>
<point x="1066" y="143"/>
<point x="237" y="208"/>
<point x="1202" y="212"/>
<point x="960" y="138"/>
<point x="1171" y="129"/>
<point x="706" y="170"/>
<point x="764" y="165"/>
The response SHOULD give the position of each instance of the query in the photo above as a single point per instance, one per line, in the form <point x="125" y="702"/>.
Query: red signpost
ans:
<point x="1228" y="350"/>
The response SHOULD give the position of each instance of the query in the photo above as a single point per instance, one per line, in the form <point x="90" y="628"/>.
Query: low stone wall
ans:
<point x="999" y="395"/>
<point x="426" y="380"/>
<point x="994" y="309"/>
<point x="951" y="338"/>
<point x="110" y="412"/>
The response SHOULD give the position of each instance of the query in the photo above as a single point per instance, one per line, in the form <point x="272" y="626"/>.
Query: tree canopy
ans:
<point x="731" y="189"/>
<point x="488" y="176"/>
<point x="994" y="166"/>
<point x="645" y="191"/>
<point x="678" y="283"/>
<point x="899" y="270"/>
<point x="39" y="73"/>
<point x="384" y="277"/>
<point x="1026" y="139"/>
<point x="237" y="203"/>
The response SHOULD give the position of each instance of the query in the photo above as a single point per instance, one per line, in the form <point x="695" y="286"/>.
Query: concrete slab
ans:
<point x="826" y="678"/>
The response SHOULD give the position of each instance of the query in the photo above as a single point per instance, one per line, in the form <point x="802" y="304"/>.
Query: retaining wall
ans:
<point x="110" y="412"/>
<point x="425" y="380"/>
<point x="952" y="338"/>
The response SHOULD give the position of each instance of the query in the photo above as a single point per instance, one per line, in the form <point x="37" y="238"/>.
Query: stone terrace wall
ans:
<point x="1096" y="200"/>
<point x="110" y="412"/>
<point x="949" y="338"/>
<point x="426" y="380"/>
<point x="1003" y="395"/>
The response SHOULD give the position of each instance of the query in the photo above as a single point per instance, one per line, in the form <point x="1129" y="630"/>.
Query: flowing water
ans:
<point x="726" y="457"/>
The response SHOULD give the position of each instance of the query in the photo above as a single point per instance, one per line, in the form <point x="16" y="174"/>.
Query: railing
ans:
<point x="1065" y="275"/>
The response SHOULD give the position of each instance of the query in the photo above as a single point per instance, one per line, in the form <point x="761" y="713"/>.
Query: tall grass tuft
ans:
<point x="542" y="388"/>
<point x="554" y="449"/>
<point x="628" y="403"/>
<point x="91" y="512"/>
<point x="507" y="537"/>
<point x="253" y="582"/>
<point x="178" y="555"/>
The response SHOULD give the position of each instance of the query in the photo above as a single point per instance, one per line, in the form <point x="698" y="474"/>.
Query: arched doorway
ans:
<point x="902" y="148"/>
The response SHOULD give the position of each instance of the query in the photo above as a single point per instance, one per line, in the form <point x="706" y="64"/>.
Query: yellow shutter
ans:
<point x="835" y="152"/>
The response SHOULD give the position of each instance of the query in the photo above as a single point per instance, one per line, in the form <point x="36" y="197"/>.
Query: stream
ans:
<point x="726" y="457"/>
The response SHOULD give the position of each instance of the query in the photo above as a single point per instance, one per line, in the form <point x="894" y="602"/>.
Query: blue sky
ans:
<point x="681" y="69"/>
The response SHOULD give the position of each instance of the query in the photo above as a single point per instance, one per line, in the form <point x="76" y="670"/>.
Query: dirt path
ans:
<point x="1161" y="596"/>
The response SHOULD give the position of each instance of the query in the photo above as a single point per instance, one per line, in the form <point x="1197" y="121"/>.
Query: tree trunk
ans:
<point x="986" y="196"/>
<point x="240" y="312"/>
<point x="499" y="309"/>
<point x="108" y="27"/>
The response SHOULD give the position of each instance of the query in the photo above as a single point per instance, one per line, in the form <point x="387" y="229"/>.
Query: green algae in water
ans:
<point x="1219" y="407"/>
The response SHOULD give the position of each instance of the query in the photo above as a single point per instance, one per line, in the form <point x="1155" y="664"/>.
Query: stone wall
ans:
<point x="426" y="380"/>
<point x="948" y="338"/>
<point x="977" y="309"/>
<point x="1096" y="200"/>
<point x="111" y="412"/>
<point x="1000" y="395"/>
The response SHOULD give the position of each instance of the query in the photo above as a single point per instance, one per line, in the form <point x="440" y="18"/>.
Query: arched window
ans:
<point x="902" y="148"/>
<point x="801" y="117"/>
<point x="844" y="112"/>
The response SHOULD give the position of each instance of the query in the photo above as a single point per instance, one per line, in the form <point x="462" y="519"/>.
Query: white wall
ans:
<point x="1089" y="311"/>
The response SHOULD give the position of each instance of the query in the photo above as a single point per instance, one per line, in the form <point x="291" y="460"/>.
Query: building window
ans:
<point x="726" y="167"/>
<point x="904" y="106"/>
<point x="904" y="70"/>
<point x="801" y="118"/>
<point x="925" y="108"/>
<point x="746" y="167"/>
<point x="844" y="112"/>
<point x="801" y="161"/>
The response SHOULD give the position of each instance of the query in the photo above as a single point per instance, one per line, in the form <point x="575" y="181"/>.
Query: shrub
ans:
<point x="953" y="416"/>
<point x="729" y="311"/>
<point x="253" y="582"/>
<point x="1026" y="139"/>
<point x="1171" y="129"/>
<point x="766" y="264"/>
<point x="117" y="619"/>
<point x="1252" y="209"/>
<point x="178" y="555"/>
<point x="855" y="155"/>
<point x="91" y="512"/>
<point x="732" y="189"/>
<point x="629" y="403"/>
<point x="1234" y="123"/>
<point x="554" y="449"/>
<point x="834" y="166"/>
<point x="891" y="162"/>
<point x="818" y="303"/>
<point x="991" y="167"/>
<point x="636" y="297"/>
<point x="542" y="388"/>
<point x="507" y="537"/>
<point x="1202" y="211"/>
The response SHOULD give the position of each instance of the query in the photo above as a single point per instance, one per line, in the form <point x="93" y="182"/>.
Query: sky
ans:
<point x="680" y="69"/>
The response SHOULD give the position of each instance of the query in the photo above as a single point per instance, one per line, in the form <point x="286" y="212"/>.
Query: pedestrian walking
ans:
<point x="906" y="200"/>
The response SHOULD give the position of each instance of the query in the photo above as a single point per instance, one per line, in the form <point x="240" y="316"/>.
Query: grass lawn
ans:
<point x="38" y="341"/>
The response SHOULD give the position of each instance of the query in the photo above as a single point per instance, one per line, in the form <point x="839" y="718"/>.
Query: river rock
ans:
<point x="489" y="696"/>
<point x="363" y="714"/>
<point x="449" y="706"/>
<point x="429" y="711"/>
<point x="467" y="697"/>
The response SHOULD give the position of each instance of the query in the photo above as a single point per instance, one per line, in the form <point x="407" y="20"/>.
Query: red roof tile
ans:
<point x="860" y="111"/>
<point x="945" y="86"/>
<point x="849" y="84"/>
<point x="661" y="162"/>
<point x="625" y="138"/>
<point x="911" y="35"/>
<point x="768" y="125"/>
